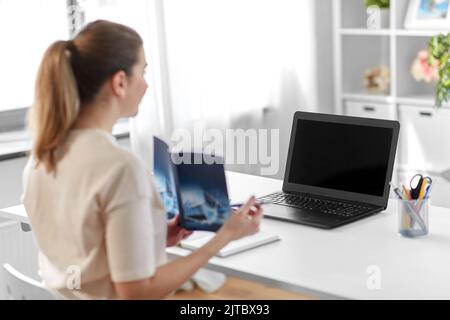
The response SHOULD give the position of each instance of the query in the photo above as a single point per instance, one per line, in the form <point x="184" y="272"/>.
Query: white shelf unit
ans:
<point x="356" y="49"/>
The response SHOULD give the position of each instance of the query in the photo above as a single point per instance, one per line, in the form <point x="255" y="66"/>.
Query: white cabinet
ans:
<point x="424" y="138"/>
<point x="370" y="110"/>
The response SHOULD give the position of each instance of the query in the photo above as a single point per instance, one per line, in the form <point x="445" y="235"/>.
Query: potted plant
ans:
<point x="383" y="6"/>
<point x="439" y="54"/>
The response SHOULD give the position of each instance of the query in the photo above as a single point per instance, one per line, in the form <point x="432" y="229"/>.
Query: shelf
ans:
<point x="419" y="33"/>
<point x="360" y="54"/>
<point x="368" y="97"/>
<point x="359" y="48"/>
<point x="420" y="101"/>
<point x="365" y="32"/>
<point x="353" y="13"/>
<point x="388" y="32"/>
<point x="407" y="86"/>
<point x="414" y="100"/>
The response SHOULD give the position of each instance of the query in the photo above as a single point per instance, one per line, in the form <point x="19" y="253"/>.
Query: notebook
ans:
<point x="193" y="185"/>
<point x="199" y="239"/>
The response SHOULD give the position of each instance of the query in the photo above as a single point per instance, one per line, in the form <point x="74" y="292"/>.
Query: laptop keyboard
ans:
<point x="314" y="204"/>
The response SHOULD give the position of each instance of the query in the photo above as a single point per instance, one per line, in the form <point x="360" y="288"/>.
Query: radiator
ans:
<point x="19" y="249"/>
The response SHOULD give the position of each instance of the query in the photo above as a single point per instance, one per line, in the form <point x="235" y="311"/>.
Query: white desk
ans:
<point x="334" y="263"/>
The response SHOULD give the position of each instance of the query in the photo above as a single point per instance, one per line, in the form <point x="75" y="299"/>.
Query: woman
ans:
<point x="92" y="206"/>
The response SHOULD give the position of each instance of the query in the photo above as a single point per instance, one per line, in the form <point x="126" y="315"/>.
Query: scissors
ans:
<point x="418" y="184"/>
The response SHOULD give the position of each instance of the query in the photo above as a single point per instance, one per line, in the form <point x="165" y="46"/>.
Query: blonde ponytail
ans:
<point x="56" y="104"/>
<point x="71" y="75"/>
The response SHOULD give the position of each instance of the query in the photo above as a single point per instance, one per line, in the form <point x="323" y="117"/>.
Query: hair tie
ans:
<point x="70" y="45"/>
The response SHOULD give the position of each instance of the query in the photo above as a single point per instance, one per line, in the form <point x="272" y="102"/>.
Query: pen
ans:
<point x="422" y="195"/>
<point x="406" y="220"/>
<point x="398" y="193"/>
<point x="406" y="193"/>
<point x="422" y="191"/>
<point x="427" y="195"/>
<point x="240" y="204"/>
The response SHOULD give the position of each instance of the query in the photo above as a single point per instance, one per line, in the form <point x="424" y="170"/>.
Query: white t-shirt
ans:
<point x="99" y="215"/>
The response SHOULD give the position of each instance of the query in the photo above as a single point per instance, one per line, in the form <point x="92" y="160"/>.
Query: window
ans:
<point x="27" y="28"/>
<point x="132" y="14"/>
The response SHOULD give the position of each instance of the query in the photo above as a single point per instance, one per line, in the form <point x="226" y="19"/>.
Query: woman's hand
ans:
<point x="245" y="221"/>
<point x="175" y="233"/>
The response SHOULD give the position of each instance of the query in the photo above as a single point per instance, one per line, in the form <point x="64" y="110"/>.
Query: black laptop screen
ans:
<point x="344" y="157"/>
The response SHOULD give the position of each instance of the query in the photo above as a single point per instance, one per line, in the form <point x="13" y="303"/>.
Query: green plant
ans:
<point x="439" y="50"/>
<point x="382" y="4"/>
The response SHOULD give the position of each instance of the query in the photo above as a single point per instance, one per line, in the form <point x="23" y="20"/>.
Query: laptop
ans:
<point x="338" y="170"/>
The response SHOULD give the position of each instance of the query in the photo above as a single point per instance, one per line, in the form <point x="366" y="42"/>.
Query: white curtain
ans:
<point x="25" y="35"/>
<point x="154" y="116"/>
<point x="241" y="64"/>
<point x="227" y="58"/>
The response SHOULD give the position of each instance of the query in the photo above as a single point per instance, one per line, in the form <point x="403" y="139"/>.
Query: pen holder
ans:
<point x="413" y="217"/>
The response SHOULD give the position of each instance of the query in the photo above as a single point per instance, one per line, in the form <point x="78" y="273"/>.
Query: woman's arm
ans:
<point x="171" y="276"/>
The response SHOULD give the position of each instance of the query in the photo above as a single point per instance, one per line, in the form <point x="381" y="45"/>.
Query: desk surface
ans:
<point x="336" y="263"/>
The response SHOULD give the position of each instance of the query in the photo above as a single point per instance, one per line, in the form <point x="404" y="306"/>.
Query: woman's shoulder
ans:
<point x="96" y="149"/>
<point x="110" y="165"/>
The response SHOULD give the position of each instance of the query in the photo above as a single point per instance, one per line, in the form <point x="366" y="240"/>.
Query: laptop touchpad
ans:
<point x="287" y="212"/>
<point x="297" y="214"/>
